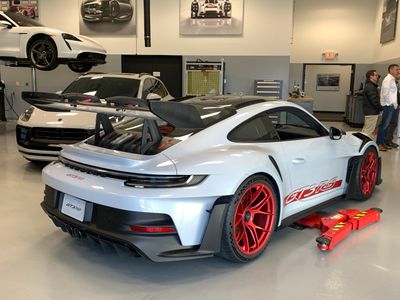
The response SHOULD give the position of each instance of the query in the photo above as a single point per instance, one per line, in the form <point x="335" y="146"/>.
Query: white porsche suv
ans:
<point x="40" y="134"/>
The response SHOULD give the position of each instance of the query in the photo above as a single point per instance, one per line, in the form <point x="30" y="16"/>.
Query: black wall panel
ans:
<point x="170" y="68"/>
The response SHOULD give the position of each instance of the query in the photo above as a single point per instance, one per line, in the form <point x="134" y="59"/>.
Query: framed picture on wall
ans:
<point x="389" y="20"/>
<point x="107" y="17"/>
<point x="211" y="17"/>
<point x="328" y="82"/>
<point x="28" y="8"/>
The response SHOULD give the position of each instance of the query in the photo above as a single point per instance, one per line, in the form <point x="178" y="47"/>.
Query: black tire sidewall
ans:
<point x="85" y="67"/>
<point x="54" y="63"/>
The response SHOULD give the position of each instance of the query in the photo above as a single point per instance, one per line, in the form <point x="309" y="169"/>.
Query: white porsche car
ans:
<point x="40" y="134"/>
<point x="203" y="176"/>
<point x="25" y="42"/>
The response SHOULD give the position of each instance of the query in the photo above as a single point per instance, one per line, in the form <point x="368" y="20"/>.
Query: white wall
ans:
<point x="266" y="30"/>
<point x="347" y="27"/>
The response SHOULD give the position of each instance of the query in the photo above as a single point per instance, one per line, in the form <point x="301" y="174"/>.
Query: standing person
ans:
<point x="389" y="103"/>
<point x="371" y="102"/>
<point x="393" y="121"/>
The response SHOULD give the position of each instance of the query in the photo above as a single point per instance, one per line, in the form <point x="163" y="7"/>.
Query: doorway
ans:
<point x="329" y="85"/>
<point x="167" y="68"/>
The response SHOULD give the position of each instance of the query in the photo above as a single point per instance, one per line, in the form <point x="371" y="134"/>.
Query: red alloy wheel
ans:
<point x="369" y="173"/>
<point x="254" y="218"/>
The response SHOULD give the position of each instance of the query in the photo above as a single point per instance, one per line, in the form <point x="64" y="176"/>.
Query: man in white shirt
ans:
<point x="389" y="103"/>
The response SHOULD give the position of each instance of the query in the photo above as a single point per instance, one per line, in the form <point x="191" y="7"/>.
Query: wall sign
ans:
<point x="389" y="20"/>
<point x="28" y="8"/>
<point x="211" y="17"/>
<point x="328" y="82"/>
<point x="107" y="17"/>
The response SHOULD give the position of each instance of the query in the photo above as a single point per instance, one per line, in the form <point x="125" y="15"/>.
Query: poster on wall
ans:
<point x="328" y="82"/>
<point x="389" y="20"/>
<point x="28" y="8"/>
<point x="107" y="17"/>
<point x="211" y="17"/>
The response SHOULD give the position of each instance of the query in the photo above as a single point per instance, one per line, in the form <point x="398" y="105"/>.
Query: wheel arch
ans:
<point x="276" y="183"/>
<point x="36" y="37"/>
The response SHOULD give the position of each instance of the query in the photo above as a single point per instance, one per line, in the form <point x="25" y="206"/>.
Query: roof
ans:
<point x="112" y="74"/>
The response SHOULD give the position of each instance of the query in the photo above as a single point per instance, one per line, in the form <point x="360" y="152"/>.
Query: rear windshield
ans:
<point x="127" y="136"/>
<point x="104" y="87"/>
<point x="210" y="114"/>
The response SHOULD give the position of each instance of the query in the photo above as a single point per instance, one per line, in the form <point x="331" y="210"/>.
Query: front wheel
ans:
<point x="250" y="220"/>
<point x="367" y="174"/>
<point x="43" y="54"/>
<point x="80" y="67"/>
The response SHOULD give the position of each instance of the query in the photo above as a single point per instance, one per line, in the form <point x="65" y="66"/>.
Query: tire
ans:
<point x="80" y="67"/>
<point x="253" y="209"/>
<point x="366" y="174"/>
<point x="42" y="54"/>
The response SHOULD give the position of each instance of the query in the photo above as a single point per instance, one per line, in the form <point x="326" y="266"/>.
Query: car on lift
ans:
<point x="40" y="134"/>
<point x="199" y="177"/>
<point x="211" y="9"/>
<point x="25" y="42"/>
<point x="107" y="10"/>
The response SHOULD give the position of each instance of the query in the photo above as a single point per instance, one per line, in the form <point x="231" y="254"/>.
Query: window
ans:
<point x="292" y="124"/>
<point x="155" y="86"/>
<point x="104" y="87"/>
<point x="257" y="129"/>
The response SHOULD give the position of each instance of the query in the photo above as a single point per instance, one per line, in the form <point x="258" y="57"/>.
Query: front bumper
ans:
<point x="110" y="227"/>
<point x="44" y="144"/>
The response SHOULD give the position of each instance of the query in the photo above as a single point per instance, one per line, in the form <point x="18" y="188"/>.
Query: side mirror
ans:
<point x="335" y="133"/>
<point x="153" y="96"/>
<point x="5" y="24"/>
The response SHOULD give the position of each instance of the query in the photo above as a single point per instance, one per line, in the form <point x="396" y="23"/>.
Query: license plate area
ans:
<point x="76" y="208"/>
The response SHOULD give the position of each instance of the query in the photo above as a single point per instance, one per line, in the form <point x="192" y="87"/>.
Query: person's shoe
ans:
<point x="388" y="147"/>
<point x="382" y="148"/>
<point x="393" y="145"/>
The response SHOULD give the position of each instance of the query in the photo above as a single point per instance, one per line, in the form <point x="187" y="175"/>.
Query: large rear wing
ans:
<point x="177" y="114"/>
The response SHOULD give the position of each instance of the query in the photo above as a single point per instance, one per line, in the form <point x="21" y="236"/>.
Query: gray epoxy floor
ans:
<point x="38" y="261"/>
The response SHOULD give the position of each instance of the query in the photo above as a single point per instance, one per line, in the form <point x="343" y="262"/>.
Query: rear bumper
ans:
<point x="109" y="226"/>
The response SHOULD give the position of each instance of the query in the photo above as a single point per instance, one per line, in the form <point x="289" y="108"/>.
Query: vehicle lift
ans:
<point x="335" y="228"/>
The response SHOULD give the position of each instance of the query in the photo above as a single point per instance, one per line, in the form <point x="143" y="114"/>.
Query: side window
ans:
<point x="147" y="84"/>
<point x="257" y="129"/>
<point x="151" y="85"/>
<point x="159" y="89"/>
<point x="293" y="124"/>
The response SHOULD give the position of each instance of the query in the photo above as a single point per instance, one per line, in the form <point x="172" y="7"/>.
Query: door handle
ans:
<point x="298" y="160"/>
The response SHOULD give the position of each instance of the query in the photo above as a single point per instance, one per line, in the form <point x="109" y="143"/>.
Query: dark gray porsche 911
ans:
<point x="107" y="10"/>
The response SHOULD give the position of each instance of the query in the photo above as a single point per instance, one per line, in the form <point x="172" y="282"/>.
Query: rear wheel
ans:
<point x="367" y="174"/>
<point x="250" y="220"/>
<point x="43" y="54"/>
<point x="80" y="67"/>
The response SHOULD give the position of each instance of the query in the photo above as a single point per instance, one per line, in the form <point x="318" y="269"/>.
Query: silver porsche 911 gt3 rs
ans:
<point x="199" y="177"/>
